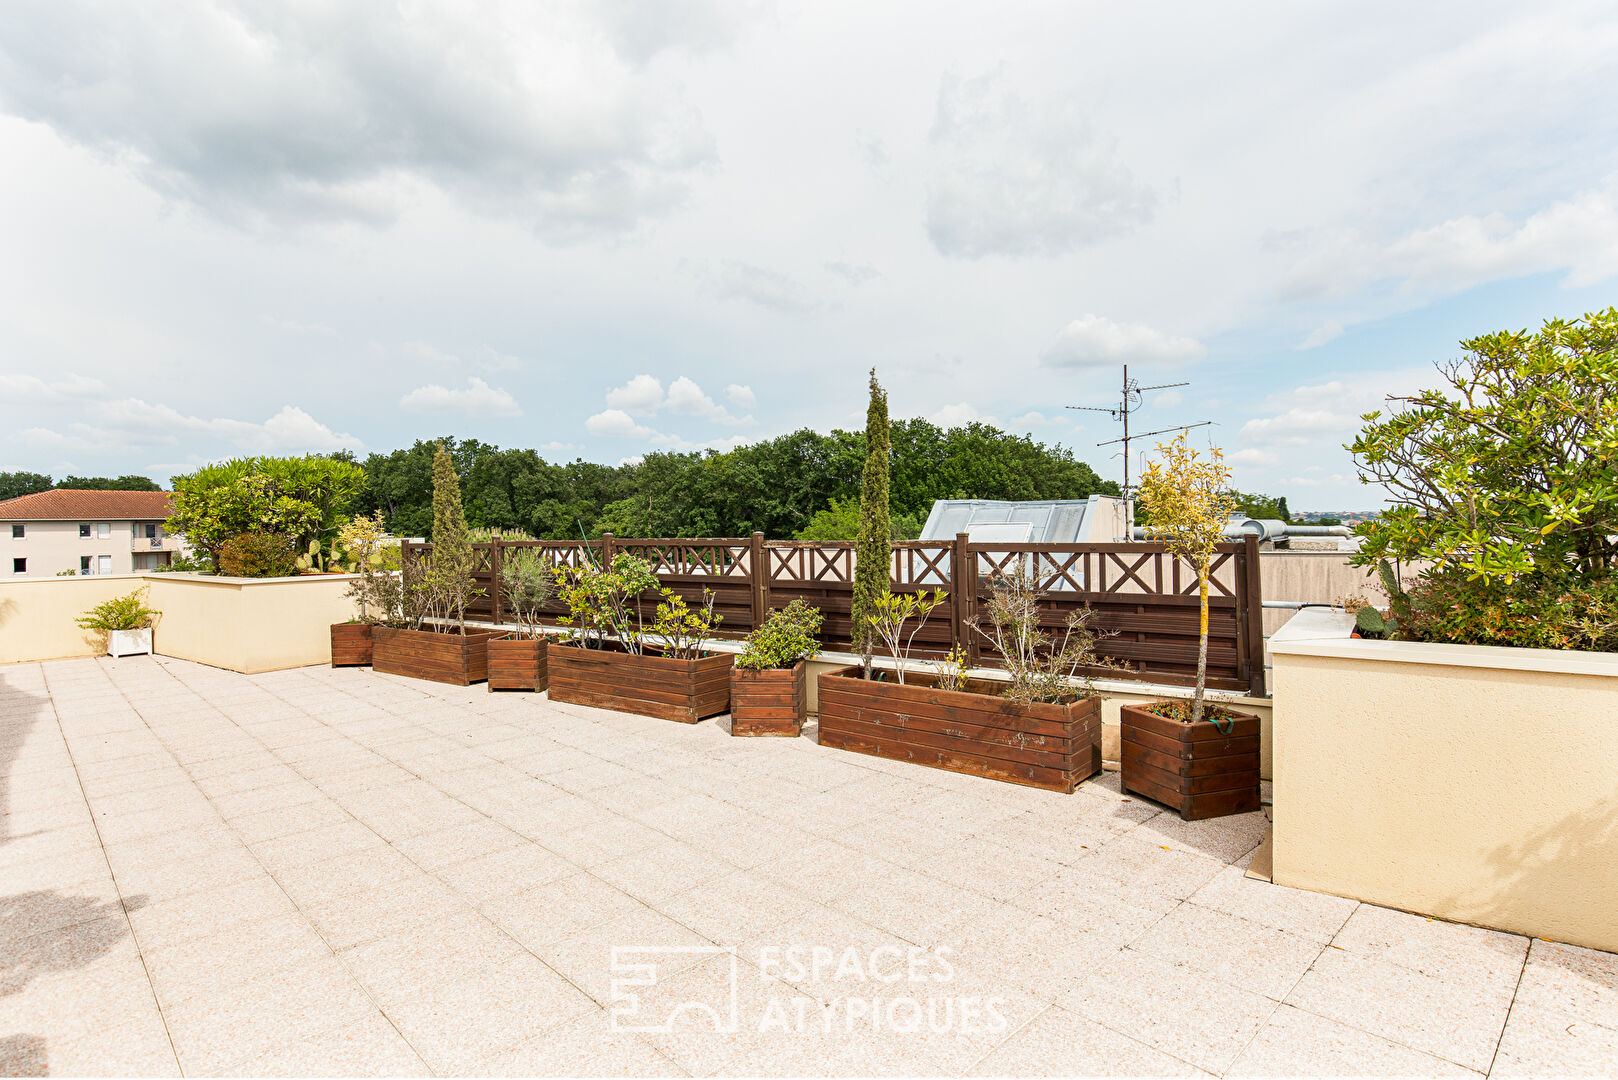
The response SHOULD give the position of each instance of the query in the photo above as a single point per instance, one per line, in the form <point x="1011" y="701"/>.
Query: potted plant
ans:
<point x="517" y="661"/>
<point x="1039" y="727"/>
<point x="375" y="591"/>
<point x="433" y="641"/>
<point x="1199" y="758"/>
<point x="769" y="690"/>
<point x="612" y="659"/>
<point x="127" y="622"/>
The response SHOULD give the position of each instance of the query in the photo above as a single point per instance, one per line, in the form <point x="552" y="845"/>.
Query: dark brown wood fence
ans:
<point x="1143" y="598"/>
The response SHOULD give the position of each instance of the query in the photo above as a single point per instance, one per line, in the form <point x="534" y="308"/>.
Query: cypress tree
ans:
<point x="873" y="548"/>
<point x="452" y="546"/>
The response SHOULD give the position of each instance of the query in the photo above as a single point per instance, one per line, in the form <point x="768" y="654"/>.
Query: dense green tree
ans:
<point x="109" y="483"/>
<point x="841" y="521"/>
<point x="872" y="547"/>
<point x="1266" y="507"/>
<point x="301" y="498"/>
<point x="13" y="484"/>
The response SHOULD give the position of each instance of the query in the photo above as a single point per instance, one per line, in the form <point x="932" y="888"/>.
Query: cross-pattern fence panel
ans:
<point x="1144" y="600"/>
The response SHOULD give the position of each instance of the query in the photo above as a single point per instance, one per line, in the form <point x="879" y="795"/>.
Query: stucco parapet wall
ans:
<point x="239" y="582"/>
<point x="1325" y="632"/>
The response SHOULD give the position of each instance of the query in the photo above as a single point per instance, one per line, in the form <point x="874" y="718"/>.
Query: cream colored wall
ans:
<point x="1473" y="784"/>
<point x="36" y="614"/>
<point x="242" y="624"/>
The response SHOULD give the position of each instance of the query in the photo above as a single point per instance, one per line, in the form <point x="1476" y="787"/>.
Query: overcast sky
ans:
<point x="600" y="229"/>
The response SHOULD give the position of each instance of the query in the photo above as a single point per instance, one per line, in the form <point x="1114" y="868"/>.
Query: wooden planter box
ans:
<point x="460" y="659"/>
<point x="683" y="690"/>
<point x="1193" y="768"/>
<point x="773" y="701"/>
<point x="350" y="644"/>
<point x="518" y="663"/>
<point x="975" y="731"/>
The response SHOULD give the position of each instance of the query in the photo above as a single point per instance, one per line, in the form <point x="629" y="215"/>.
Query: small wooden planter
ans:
<point x="772" y="701"/>
<point x="683" y="690"/>
<point x="459" y="659"/>
<point x="518" y="663"/>
<point x="350" y="644"/>
<point x="1193" y="768"/>
<point x="975" y="731"/>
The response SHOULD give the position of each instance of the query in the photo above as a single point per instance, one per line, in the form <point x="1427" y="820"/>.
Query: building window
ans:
<point x="84" y="530"/>
<point x="19" y="566"/>
<point x="85" y="566"/>
<point x="103" y="531"/>
<point x="151" y="530"/>
<point x="19" y="531"/>
<point x="103" y="564"/>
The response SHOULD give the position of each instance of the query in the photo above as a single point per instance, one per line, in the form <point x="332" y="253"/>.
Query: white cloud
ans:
<point x="1252" y="456"/>
<point x="554" y="447"/>
<point x="137" y="422"/>
<point x="1034" y="418"/>
<point x="477" y="399"/>
<point x="854" y="274"/>
<point x="1166" y="399"/>
<point x="617" y="424"/>
<point x="31" y="389"/>
<point x="1578" y="235"/>
<point x="1097" y="341"/>
<point x="769" y="289"/>
<point x="956" y="415"/>
<point x="685" y="398"/>
<point x="633" y="459"/>
<point x="1013" y="176"/>
<point x="268" y="113"/>
<point x="640" y="396"/>
<point x="1330" y="330"/>
<point x="741" y="396"/>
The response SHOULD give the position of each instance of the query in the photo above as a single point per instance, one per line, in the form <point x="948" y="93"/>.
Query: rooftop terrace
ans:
<point x="329" y="871"/>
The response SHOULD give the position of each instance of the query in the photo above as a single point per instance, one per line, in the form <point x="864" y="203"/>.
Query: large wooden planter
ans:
<point x="518" y="663"/>
<point x="683" y="690"/>
<point x="460" y="659"/>
<point x="1193" y="768"/>
<point x="975" y="731"/>
<point x="350" y="644"/>
<point x="772" y="701"/>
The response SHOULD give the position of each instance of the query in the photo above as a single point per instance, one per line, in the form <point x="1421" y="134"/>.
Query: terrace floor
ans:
<point x="331" y="871"/>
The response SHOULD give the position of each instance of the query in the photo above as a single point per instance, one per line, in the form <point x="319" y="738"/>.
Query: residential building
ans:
<point x="85" y="532"/>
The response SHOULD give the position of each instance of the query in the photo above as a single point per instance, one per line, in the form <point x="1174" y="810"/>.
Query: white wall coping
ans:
<point x="221" y="579"/>
<point x="1325" y="632"/>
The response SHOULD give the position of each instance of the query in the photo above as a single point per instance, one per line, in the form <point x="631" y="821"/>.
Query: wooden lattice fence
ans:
<point x="1143" y="597"/>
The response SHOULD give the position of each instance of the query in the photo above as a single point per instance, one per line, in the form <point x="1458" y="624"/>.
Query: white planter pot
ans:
<point x="129" y="642"/>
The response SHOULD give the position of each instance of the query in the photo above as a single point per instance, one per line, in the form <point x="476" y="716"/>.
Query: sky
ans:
<point x="604" y="229"/>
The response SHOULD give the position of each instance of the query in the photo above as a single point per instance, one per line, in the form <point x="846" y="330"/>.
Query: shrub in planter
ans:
<point x="360" y="546"/>
<point x="612" y="659"/>
<point x="517" y="661"/>
<point x="1041" y="727"/>
<point x="258" y="555"/>
<point x="769" y="692"/>
<point x="433" y="641"/>
<point x="1198" y="759"/>
<point x="125" y="620"/>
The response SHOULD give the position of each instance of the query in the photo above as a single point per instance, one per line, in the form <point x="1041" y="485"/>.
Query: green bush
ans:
<point x="1533" y="611"/>
<point x="258" y="555"/>
<point x="303" y="499"/>
<point x="128" y="612"/>
<point x="786" y="637"/>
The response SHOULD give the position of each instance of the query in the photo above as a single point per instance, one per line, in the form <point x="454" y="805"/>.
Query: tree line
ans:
<point x="13" y="484"/>
<point x="804" y="483"/>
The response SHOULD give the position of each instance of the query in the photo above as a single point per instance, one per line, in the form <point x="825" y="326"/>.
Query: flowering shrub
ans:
<point x="1530" y="611"/>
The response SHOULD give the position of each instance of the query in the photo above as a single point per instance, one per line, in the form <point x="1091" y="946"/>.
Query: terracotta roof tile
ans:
<point x="87" y="506"/>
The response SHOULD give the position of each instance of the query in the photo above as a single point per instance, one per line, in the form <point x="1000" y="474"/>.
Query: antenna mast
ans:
<point x="1127" y="405"/>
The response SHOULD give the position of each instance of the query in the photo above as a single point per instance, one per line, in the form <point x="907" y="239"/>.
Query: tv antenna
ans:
<point x="1127" y="405"/>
